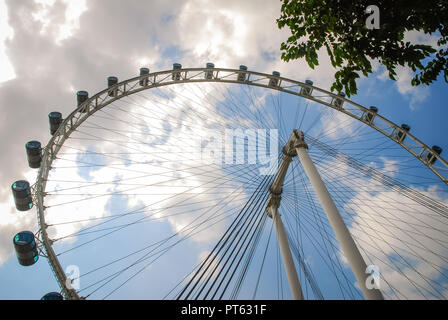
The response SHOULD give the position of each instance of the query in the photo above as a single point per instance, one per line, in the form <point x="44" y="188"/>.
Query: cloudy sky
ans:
<point x="49" y="49"/>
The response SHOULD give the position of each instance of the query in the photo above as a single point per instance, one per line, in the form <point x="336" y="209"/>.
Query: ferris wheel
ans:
<point x="212" y="183"/>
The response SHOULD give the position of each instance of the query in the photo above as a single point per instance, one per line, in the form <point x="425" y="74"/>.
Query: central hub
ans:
<point x="296" y="140"/>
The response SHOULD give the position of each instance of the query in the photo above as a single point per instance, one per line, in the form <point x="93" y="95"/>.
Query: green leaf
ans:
<point x="340" y="27"/>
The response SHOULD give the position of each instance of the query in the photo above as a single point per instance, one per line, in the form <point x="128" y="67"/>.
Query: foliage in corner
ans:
<point x="340" y="26"/>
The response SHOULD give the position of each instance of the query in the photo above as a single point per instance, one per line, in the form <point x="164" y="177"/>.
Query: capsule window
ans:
<point x="430" y="156"/>
<point x="242" y="74"/>
<point x="401" y="133"/>
<point x="306" y="91"/>
<point x="370" y="115"/>
<point x="26" y="248"/>
<point x="338" y="101"/>
<point x="53" y="296"/>
<point x="144" y="71"/>
<point x="34" y="154"/>
<point x="21" y="192"/>
<point x="273" y="82"/>
<point x="81" y="97"/>
<point x="176" y="74"/>
<point x="55" y="119"/>
<point x="209" y="73"/>
<point x="112" y="81"/>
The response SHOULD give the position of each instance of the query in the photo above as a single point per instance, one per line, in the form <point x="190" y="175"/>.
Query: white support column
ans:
<point x="288" y="262"/>
<point x="272" y="209"/>
<point x="341" y="231"/>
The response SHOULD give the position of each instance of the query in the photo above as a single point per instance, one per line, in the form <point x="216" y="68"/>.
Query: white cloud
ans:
<point x="419" y="37"/>
<point x="75" y="8"/>
<point x="338" y="124"/>
<point x="416" y="95"/>
<point x="6" y="33"/>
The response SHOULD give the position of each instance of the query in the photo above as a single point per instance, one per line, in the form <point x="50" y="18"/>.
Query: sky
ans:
<point x="49" y="49"/>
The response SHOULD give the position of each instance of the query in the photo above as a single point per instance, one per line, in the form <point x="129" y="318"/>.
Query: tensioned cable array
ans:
<point x="225" y="250"/>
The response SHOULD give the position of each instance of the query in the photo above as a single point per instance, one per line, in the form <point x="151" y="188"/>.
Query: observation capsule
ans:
<point x="176" y="75"/>
<point x="34" y="154"/>
<point x="144" y="71"/>
<point x="26" y="248"/>
<point x="111" y="81"/>
<point x="53" y="296"/>
<point x="430" y="157"/>
<point x="81" y="97"/>
<point x="273" y="82"/>
<point x="209" y="73"/>
<point x="337" y="102"/>
<point x="55" y="119"/>
<point x="370" y="115"/>
<point x="21" y="192"/>
<point x="401" y="134"/>
<point x="307" y="91"/>
<point x="242" y="74"/>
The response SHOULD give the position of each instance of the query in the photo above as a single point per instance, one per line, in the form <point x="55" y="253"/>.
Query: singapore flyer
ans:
<point x="214" y="168"/>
